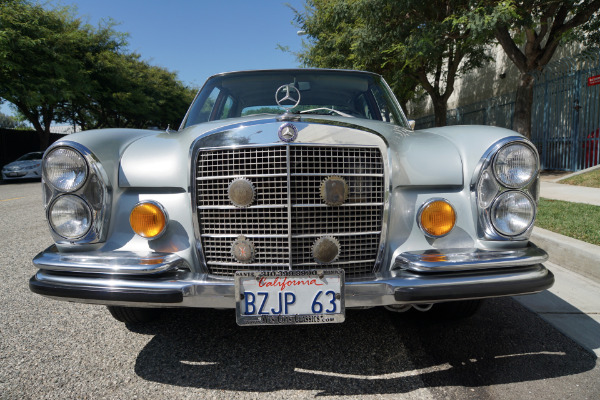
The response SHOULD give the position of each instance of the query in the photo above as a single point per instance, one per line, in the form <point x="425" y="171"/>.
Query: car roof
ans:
<point x="296" y="70"/>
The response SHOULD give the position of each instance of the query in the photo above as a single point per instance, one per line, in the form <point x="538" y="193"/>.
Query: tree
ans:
<point x="530" y="32"/>
<point x="126" y="92"/>
<point x="409" y="42"/>
<point x="54" y="68"/>
<point x="336" y="38"/>
<point x="37" y="65"/>
<point x="8" y="122"/>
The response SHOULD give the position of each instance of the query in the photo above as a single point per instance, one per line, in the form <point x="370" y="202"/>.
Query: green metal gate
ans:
<point x="566" y="113"/>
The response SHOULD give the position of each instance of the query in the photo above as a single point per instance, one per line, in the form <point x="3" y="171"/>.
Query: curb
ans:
<point x="573" y="254"/>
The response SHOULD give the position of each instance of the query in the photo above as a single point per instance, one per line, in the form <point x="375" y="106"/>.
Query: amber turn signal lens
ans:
<point x="148" y="220"/>
<point x="437" y="218"/>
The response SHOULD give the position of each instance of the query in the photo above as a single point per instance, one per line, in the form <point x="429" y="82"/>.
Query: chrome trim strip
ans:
<point x="301" y="144"/>
<point x="249" y="235"/>
<point x="343" y="205"/>
<point x="469" y="259"/>
<point x="210" y="178"/>
<point x="112" y="263"/>
<point x="334" y="263"/>
<point x="266" y="206"/>
<point x="342" y="234"/>
<point x="342" y="174"/>
<point x="267" y="267"/>
<point x="307" y="235"/>
<point x="289" y="205"/>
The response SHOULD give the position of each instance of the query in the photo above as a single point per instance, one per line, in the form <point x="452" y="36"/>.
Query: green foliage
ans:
<point x="53" y="67"/>
<point x="579" y="221"/>
<point x="8" y="122"/>
<point x="415" y="45"/>
<point x="127" y="92"/>
<point x="530" y="32"/>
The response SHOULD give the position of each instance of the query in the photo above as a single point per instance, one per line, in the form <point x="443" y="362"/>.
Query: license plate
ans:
<point x="289" y="297"/>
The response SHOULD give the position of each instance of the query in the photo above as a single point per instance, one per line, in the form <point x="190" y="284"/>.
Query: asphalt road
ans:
<point x="58" y="350"/>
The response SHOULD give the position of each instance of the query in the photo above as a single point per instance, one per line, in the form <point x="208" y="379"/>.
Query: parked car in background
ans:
<point x="289" y="196"/>
<point x="28" y="166"/>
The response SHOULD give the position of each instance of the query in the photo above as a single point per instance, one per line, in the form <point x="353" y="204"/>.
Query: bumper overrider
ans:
<point x="165" y="280"/>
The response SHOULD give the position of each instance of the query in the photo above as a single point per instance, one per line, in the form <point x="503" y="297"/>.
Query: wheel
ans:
<point x="133" y="315"/>
<point x="456" y="309"/>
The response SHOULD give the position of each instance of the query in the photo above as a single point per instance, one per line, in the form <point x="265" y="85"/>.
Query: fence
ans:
<point x="565" y="113"/>
<point x="496" y="111"/>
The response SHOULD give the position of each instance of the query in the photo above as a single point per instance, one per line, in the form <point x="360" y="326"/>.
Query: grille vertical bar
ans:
<point x="288" y="214"/>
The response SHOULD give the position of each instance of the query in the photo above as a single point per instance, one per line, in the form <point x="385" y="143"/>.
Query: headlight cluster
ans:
<point x="507" y="190"/>
<point x="75" y="194"/>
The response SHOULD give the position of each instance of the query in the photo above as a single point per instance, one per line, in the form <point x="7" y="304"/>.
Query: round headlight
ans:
<point x="515" y="165"/>
<point x="512" y="213"/>
<point x="65" y="169"/>
<point x="70" y="216"/>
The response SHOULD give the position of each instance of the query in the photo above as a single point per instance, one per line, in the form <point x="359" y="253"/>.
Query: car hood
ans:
<point x="415" y="158"/>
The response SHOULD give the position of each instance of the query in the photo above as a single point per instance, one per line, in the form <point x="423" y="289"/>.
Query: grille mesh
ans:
<point x="277" y="231"/>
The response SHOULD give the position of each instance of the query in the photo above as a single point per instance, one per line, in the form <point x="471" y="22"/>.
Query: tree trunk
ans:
<point x="440" y="107"/>
<point x="523" y="105"/>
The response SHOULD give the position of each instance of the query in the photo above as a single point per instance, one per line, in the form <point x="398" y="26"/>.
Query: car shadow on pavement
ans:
<point x="373" y="352"/>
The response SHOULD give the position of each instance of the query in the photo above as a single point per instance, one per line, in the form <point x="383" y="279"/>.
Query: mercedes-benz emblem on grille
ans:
<point x="288" y="132"/>
<point x="287" y="94"/>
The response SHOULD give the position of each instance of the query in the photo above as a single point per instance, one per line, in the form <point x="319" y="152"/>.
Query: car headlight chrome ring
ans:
<point x="512" y="213"/>
<point x="70" y="216"/>
<point x="65" y="169"/>
<point x="515" y="165"/>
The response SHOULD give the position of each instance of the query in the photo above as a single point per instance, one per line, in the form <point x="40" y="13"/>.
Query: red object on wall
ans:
<point x="591" y="149"/>
<point x="594" y="80"/>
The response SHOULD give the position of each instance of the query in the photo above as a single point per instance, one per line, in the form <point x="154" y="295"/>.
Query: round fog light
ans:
<point x="512" y="213"/>
<point x="148" y="219"/>
<point x="436" y="218"/>
<point x="70" y="216"/>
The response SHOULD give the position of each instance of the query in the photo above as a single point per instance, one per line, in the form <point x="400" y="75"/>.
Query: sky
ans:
<point x="200" y="38"/>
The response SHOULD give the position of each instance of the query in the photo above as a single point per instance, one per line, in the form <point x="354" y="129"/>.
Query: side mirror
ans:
<point x="412" y="123"/>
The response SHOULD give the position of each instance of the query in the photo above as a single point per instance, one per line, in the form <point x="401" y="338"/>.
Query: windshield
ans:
<point x="348" y="94"/>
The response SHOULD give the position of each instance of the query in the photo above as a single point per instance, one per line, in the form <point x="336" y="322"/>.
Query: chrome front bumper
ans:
<point x="163" y="280"/>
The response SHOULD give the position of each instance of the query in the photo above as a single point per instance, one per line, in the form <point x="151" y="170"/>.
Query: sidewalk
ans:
<point x="572" y="305"/>
<point x="576" y="194"/>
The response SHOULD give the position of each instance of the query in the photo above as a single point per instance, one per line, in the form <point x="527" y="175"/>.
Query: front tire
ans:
<point x="134" y="315"/>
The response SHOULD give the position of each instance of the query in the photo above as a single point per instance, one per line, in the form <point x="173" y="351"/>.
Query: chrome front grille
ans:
<point x="288" y="215"/>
